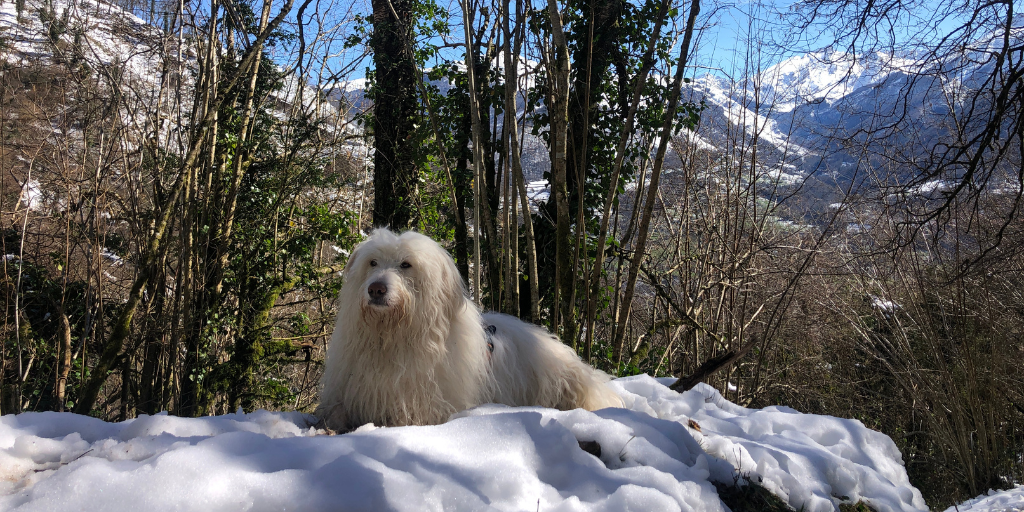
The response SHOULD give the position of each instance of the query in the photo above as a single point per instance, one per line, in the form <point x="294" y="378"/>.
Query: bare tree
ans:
<point x="967" y="60"/>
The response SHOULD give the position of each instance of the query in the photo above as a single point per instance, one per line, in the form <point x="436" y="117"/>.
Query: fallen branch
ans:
<point x="711" y="366"/>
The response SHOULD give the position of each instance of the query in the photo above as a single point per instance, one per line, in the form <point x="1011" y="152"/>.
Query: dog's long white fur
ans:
<point x="420" y="353"/>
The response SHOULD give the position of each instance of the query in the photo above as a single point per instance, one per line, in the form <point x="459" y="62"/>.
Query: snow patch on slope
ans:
<point x="731" y="98"/>
<point x="1010" y="500"/>
<point x="826" y="76"/>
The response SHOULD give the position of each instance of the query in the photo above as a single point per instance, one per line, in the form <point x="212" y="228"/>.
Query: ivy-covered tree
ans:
<point x="396" y="114"/>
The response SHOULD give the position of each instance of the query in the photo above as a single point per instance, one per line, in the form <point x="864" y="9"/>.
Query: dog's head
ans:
<point x="403" y="280"/>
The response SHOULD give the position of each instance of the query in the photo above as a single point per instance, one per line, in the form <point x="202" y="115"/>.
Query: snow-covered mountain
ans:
<point x="831" y="103"/>
<point x="117" y="48"/>
<point x="798" y="111"/>
<point x="824" y="77"/>
<point x="101" y="32"/>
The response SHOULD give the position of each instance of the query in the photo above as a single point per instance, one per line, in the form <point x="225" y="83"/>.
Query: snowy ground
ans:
<point x="660" y="453"/>
<point x="1011" y="500"/>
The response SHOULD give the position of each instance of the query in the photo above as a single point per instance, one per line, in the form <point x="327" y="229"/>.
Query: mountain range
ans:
<point x="805" y="113"/>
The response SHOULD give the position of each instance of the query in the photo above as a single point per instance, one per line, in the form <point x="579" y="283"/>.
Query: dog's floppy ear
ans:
<point x="352" y="258"/>
<point x="449" y="289"/>
<point x="438" y="278"/>
<point x="454" y="289"/>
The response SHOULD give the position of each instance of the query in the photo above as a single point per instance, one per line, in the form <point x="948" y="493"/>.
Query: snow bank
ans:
<point x="812" y="462"/>
<point x="1011" y="500"/>
<point x="660" y="453"/>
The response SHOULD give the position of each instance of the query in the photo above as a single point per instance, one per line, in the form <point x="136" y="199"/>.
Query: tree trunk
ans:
<point x="590" y="64"/>
<point x="594" y="285"/>
<point x="479" y="204"/>
<point x="201" y="244"/>
<point x="250" y="344"/>
<point x="652" y="190"/>
<point x="122" y="325"/>
<point x="395" y="172"/>
<point x="511" y="55"/>
<point x="255" y="333"/>
<point x="462" y="193"/>
<point x="558" y="70"/>
<point x="64" y="358"/>
<point x="153" y="346"/>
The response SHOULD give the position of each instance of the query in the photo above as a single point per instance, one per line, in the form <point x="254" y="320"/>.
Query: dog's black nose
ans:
<point x="377" y="290"/>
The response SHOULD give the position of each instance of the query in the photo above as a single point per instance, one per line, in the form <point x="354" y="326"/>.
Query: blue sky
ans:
<point x="733" y="34"/>
<point x="729" y="30"/>
<point x="765" y="28"/>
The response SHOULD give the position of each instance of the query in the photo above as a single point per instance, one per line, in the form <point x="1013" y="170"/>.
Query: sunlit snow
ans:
<point x="827" y="76"/>
<point x="662" y="452"/>
<point x="1011" y="500"/>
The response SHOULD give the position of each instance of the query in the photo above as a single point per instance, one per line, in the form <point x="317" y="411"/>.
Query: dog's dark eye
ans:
<point x="406" y="264"/>
<point x="373" y="263"/>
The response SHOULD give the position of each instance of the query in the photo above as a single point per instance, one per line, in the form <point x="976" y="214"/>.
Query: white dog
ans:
<point x="410" y="349"/>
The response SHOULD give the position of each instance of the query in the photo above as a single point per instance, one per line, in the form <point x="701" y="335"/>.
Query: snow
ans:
<point x="779" y="176"/>
<point x="827" y="76"/>
<point x="31" y="195"/>
<point x="810" y="461"/>
<point x="538" y="191"/>
<point x="856" y="227"/>
<point x="313" y="101"/>
<point x="883" y="304"/>
<point x="696" y="140"/>
<point x="930" y="187"/>
<point x="111" y="256"/>
<point x="114" y="40"/>
<point x="1011" y="500"/>
<point x="662" y="452"/>
<point x="753" y="124"/>
<point x="133" y="47"/>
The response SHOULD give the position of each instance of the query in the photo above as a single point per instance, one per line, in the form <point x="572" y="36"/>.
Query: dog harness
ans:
<point x="490" y="330"/>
